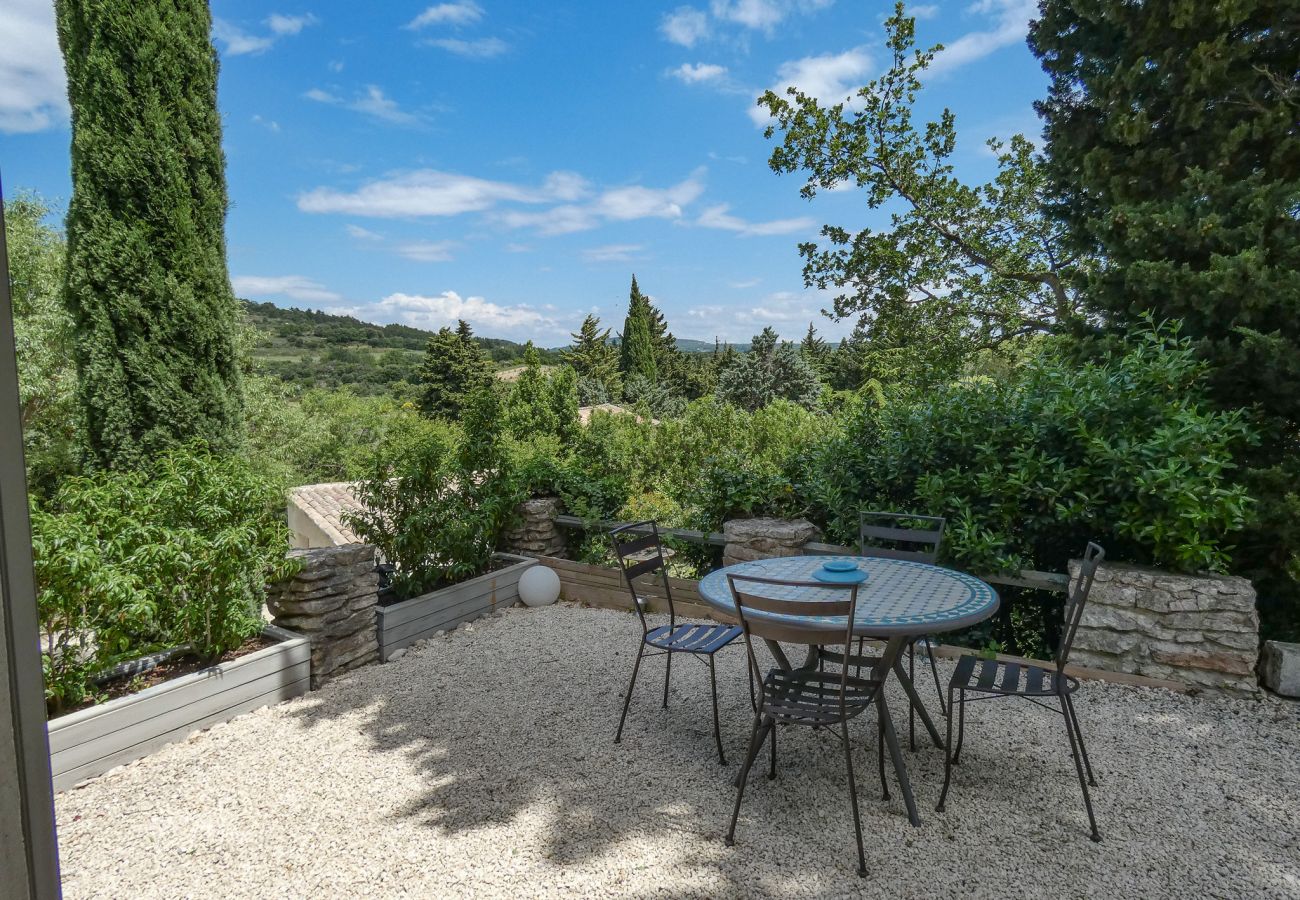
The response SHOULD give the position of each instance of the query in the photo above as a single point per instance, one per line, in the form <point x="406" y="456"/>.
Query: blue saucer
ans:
<point x="839" y="575"/>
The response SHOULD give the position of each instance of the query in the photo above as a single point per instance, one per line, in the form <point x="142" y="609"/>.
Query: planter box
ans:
<point x="402" y="624"/>
<point x="91" y="741"/>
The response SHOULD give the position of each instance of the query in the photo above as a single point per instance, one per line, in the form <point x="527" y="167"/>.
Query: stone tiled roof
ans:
<point x="325" y="505"/>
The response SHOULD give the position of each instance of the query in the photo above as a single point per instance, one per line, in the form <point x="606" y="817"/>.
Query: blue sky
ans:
<point x="513" y="163"/>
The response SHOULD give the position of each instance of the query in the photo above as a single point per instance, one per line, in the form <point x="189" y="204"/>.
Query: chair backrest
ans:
<point x="894" y="535"/>
<point x="640" y="553"/>
<point x="795" y="612"/>
<point x="1077" y="599"/>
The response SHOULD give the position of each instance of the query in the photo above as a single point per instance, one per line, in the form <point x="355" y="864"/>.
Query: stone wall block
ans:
<point x="332" y="601"/>
<point x="751" y="539"/>
<point x="536" y="533"/>
<point x="1280" y="668"/>
<point x="1201" y="630"/>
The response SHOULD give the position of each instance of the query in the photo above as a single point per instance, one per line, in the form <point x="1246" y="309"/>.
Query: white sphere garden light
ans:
<point x="539" y="586"/>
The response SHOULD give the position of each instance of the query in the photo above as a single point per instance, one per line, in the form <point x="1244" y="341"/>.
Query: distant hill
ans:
<point x="319" y="349"/>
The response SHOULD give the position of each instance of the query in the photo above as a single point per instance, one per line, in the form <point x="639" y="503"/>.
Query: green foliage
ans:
<point x="595" y="360"/>
<point x="434" y="507"/>
<point x="542" y="403"/>
<point x="454" y="368"/>
<point x="146" y="275"/>
<point x="769" y="372"/>
<point x="178" y="552"/>
<point x="1122" y="450"/>
<point x="50" y="415"/>
<point x="637" y="348"/>
<point x="1174" y="154"/>
<point x="651" y="399"/>
<point x="962" y="267"/>
<point x="308" y="437"/>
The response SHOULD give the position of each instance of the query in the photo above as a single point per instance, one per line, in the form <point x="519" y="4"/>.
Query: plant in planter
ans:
<point x="435" y="507"/>
<point x="130" y="562"/>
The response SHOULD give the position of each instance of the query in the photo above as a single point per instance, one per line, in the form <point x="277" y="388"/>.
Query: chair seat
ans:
<point x="689" y="638"/>
<point x="809" y="697"/>
<point x="991" y="676"/>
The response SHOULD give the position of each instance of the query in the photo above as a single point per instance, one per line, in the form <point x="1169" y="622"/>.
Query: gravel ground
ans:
<point x="482" y="764"/>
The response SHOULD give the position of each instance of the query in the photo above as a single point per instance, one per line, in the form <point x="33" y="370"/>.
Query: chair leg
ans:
<point x="771" y="774"/>
<point x="627" y="701"/>
<point x="947" y="757"/>
<point x="961" y="724"/>
<point x="1078" y="767"/>
<point x="853" y="799"/>
<point x="880" y="751"/>
<point x="713" y="689"/>
<point x="1078" y="732"/>
<point x="755" y="744"/>
<point x="934" y="670"/>
<point x="911" y="707"/>
<point x="668" y="674"/>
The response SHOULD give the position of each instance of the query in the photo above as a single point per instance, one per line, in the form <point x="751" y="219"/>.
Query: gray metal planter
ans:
<point x="402" y="624"/>
<point x="91" y="741"/>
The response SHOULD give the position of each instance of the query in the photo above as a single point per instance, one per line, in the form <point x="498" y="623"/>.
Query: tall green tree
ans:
<point x="637" y="350"/>
<point x="454" y="367"/>
<point x="1174" y="156"/>
<point x="146" y="276"/>
<point x="594" y="358"/>
<point x="541" y="402"/>
<point x="771" y="370"/>
<point x="972" y="265"/>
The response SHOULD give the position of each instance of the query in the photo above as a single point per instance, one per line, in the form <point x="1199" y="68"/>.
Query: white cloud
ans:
<point x="789" y="312"/>
<point x="269" y="124"/>
<point x="336" y="65"/>
<point x="613" y="205"/>
<point x="363" y="234"/>
<point x="444" y="309"/>
<point x="700" y="72"/>
<point x="831" y="78"/>
<point x="1011" y="25"/>
<point x="482" y="48"/>
<point x="685" y="26"/>
<point x="427" y="192"/>
<point x="465" y="12"/>
<point x="719" y="217"/>
<point x="519" y="248"/>
<point x="611" y="253"/>
<point x="747" y="283"/>
<point x="427" y="251"/>
<point x="923" y="11"/>
<point x="296" y="287"/>
<point x="240" y="42"/>
<point x="281" y="24"/>
<point x="371" y="102"/>
<point x="33" y="94"/>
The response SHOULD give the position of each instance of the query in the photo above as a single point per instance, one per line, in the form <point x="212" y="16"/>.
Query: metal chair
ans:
<point x="772" y="609"/>
<point x="641" y="554"/>
<point x="892" y="535"/>
<point x="992" y="678"/>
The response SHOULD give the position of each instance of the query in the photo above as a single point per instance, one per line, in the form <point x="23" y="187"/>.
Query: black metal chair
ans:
<point x="640" y="553"/>
<point x="892" y="535"/>
<point x="811" y="697"/>
<point x="992" y="678"/>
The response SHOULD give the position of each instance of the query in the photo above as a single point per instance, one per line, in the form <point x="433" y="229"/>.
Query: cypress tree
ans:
<point x="1174" y="155"/>
<point x="146" y="278"/>
<point x="454" y="367"/>
<point x="637" y="352"/>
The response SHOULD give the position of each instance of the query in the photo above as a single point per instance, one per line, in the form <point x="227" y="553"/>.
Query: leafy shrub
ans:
<point x="176" y="553"/>
<point x="1027" y="468"/>
<point x="435" y="506"/>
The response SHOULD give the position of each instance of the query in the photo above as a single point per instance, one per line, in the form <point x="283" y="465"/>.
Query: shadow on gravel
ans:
<point x="511" y="722"/>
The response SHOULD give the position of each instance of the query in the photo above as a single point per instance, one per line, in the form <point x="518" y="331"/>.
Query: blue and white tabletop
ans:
<point x="899" y="597"/>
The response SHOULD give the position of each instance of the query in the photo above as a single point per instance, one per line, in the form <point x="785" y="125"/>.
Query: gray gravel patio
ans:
<point x="482" y="764"/>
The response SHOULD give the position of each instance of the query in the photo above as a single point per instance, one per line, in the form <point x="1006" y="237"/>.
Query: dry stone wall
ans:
<point x="1201" y="630"/>
<point x="332" y="601"/>
<point x="749" y="539"/>
<point x="536" y="534"/>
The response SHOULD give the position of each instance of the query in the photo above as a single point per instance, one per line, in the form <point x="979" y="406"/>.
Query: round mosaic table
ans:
<point x="900" y="601"/>
<point x="899" y="597"/>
